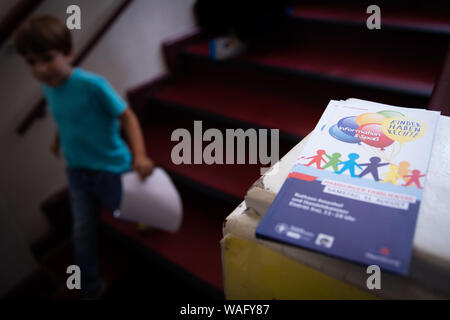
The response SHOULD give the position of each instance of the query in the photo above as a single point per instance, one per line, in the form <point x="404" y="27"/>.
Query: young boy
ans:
<point x="88" y="113"/>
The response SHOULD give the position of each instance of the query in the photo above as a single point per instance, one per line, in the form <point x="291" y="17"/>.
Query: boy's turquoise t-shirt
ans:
<point x="86" y="110"/>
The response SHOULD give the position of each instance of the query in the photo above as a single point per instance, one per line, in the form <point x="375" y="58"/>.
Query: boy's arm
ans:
<point x="141" y="162"/>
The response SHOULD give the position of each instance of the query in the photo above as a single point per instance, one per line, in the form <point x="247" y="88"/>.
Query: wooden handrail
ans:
<point x="15" y="17"/>
<point x="39" y="110"/>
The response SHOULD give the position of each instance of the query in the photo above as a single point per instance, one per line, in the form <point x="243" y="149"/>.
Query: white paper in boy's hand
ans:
<point x="154" y="202"/>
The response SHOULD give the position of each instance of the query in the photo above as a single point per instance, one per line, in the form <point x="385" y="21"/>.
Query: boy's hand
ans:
<point x="143" y="166"/>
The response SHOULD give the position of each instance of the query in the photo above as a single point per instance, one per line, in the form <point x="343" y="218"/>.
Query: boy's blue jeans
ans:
<point x="90" y="191"/>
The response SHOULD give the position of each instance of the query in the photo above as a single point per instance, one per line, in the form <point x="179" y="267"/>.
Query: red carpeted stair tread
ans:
<point x="253" y="97"/>
<point x="432" y="19"/>
<point x="195" y="247"/>
<point x="374" y="58"/>
<point x="231" y="179"/>
<point x="262" y="98"/>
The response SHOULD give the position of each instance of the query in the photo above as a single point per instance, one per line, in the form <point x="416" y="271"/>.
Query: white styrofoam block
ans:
<point x="432" y="233"/>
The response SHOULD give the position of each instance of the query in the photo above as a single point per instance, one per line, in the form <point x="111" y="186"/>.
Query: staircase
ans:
<point x="326" y="52"/>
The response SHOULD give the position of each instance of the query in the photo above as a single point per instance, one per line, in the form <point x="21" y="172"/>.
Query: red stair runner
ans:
<point x="374" y="58"/>
<point x="432" y="19"/>
<point x="231" y="179"/>
<point x="287" y="102"/>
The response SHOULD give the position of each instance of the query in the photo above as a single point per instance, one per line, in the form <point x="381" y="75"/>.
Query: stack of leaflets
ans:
<point x="355" y="189"/>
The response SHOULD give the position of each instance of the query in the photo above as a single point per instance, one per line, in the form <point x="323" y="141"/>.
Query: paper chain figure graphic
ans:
<point x="372" y="167"/>
<point x="414" y="178"/>
<point x="395" y="173"/>
<point x="350" y="165"/>
<point x="392" y="176"/>
<point x="403" y="170"/>
<point x="333" y="161"/>
<point x="317" y="159"/>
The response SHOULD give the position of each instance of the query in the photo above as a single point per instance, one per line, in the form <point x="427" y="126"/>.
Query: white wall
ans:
<point x="129" y="54"/>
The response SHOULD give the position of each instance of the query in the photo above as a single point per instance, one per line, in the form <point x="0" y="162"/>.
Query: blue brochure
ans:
<point x="356" y="188"/>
